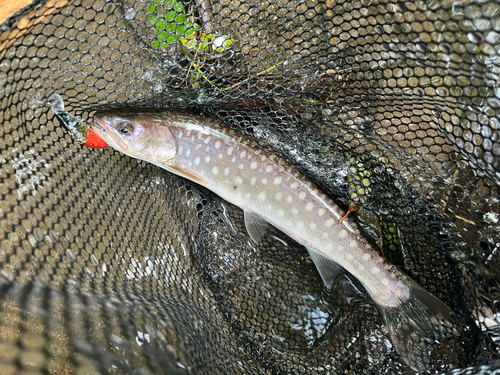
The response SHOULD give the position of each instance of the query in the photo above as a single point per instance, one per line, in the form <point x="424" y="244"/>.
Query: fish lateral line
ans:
<point x="270" y="190"/>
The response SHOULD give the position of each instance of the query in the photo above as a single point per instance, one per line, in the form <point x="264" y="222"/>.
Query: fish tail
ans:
<point x="415" y="323"/>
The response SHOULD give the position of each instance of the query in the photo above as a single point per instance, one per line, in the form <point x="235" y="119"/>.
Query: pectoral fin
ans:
<point x="256" y="227"/>
<point x="185" y="174"/>
<point x="327" y="268"/>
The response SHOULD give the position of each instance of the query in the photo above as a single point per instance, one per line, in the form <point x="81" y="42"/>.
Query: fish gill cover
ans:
<point x="111" y="265"/>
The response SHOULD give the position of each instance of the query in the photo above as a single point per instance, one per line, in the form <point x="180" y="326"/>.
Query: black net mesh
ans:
<point x="112" y="265"/>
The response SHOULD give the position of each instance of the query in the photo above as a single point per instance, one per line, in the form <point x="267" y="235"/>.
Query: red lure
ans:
<point x="93" y="140"/>
<point x="77" y="128"/>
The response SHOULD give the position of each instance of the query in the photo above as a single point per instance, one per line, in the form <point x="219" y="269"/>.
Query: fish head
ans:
<point x="137" y="133"/>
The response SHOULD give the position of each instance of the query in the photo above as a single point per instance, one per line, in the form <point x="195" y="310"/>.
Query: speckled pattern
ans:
<point x="113" y="265"/>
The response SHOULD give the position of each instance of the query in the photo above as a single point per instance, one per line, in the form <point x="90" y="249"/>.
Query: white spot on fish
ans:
<point x="262" y="158"/>
<point x="197" y="161"/>
<point x="188" y="152"/>
<point x="281" y="213"/>
<point x="375" y="270"/>
<point x="277" y="180"/>
<point x="238" y="180"/>
<point x="241" y="166"/>
<point x="207" y="139"/>
<point x="278" y="196"/>
<point x="329" y="223"/>
<point x="179" y="150"/>
<point x="248" y="195"/>
<point x="217" y="145"/>
<point x="385" y="281"/>
<point x="294" y="185"/>
<point x="230" y="150"/>
<point x="233" y="159"/>
<point x="269" y="168"/>
<point x="361" y="267"/>
<point x="353" y="244"/>
<point x="207" y="159"/>
<point x="215" y="170"/>
<point x="366" y="256"/>
<point x="253" y="165"/>
<point x="253" y="181"/>
<point x="300" y="225"/>
<point x="313" y="226"/>
<point x="348" y="256"/>
<point x="243" y="153"/>
<point x="262" y="196"/>
<point x="309" y="206"/>
<point x="321" y="212"/>
<point x="200" y="135"/>
<point x="324" y="235"/>
<point x="188" y="133"/>
<point x="302" y="195"/>
<point x="295" y="212"/>
<point x="227" y="171"/>
<point x="264" y="181"/>
<point x="342" y="233"/>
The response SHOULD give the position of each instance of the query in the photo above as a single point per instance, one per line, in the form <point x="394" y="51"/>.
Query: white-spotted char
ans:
<point x="270" y="190"/>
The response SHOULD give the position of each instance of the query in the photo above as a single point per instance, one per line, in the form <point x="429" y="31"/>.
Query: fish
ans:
<point x="76" y="127"/>
<point x="269" y="190"/>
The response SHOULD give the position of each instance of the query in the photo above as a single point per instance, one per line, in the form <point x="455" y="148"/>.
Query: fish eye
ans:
<point x="125" y="127"/>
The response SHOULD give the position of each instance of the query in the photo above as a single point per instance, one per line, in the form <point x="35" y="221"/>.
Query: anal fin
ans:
<point x="256" y="226"/>
<point x="327" y="268"/>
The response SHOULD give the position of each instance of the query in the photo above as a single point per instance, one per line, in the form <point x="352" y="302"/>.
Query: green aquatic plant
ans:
<point x="171" y="21"/>
<point x="174" y="23"/>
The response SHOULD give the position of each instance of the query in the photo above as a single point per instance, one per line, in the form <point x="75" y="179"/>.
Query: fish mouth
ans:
<point x="109" y="137"/>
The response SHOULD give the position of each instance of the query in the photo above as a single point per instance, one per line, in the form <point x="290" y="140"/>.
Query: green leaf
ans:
<point x="172" y="39"/>
<point x="164" y="45"/>
<point x="190" y="32"/>
<point x="162" y="36"/>
<point x="179" y="7"/>
<point x="158" y="2"/>
<point x="151" y="9"/>
<point x="171" y="2"/>
<point x="153" y="20"/>
<point x="181" y="30"/>
<point x="180" y="18"/>
<point x="209" y="38"/>
<point x="170" y="15"/>
<point x="171" y="27"/>
<point x="156" y="44"/>
<point x="161" y="25"/>
<point x="202" y="46"/>
<point x="196" y="26"/>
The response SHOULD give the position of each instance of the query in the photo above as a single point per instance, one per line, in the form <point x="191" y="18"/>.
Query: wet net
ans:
<point x="112" y="265"/>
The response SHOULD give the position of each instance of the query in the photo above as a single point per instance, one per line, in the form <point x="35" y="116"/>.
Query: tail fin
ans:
<point x="416" y="322"/>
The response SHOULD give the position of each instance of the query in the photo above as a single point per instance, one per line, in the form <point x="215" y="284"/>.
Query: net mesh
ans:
<point x="111" y="265"/>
